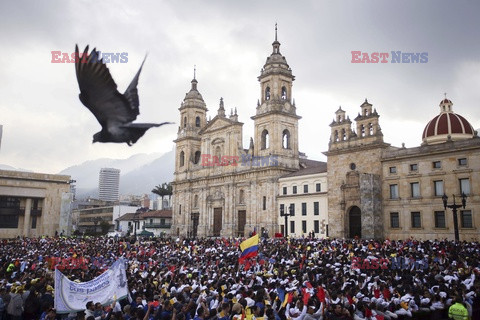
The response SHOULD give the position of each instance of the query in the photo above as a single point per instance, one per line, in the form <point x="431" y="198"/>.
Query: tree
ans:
<point x="105" y="226"/>
<point x="163" y="190"/>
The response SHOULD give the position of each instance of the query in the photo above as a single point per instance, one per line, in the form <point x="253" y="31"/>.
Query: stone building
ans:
<point x="220" y="188"/>
<point x="380" y="191"/>
<point x="31" y="203"/>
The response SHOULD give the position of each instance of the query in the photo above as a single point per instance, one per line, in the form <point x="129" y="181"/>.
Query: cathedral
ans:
<point x="220" y="188"/>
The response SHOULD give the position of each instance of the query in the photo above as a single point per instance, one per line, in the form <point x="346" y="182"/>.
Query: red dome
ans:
<point x="447" y="123"/>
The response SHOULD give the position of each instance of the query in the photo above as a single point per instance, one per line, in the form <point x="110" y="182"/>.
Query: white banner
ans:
<point x="72" y="296"/>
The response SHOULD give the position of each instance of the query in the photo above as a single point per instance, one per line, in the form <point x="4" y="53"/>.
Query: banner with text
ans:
<point x="71" y="296"/>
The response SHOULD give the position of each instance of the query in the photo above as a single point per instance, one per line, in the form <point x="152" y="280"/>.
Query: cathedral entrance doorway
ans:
<point x="355" y="222"/>
<point x="217" y="221"/>
<point x="242" y="220"/>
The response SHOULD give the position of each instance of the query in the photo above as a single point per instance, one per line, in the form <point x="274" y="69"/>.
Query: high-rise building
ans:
<point x="108" y="184"/>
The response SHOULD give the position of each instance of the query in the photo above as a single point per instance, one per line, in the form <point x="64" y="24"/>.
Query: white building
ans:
<point x="108" y="184"/>
<point x="306" y="192"/>
<point x="90" y="219"/>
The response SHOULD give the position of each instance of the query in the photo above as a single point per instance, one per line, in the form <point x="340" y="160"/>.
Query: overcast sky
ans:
<point x="46" y="128"/>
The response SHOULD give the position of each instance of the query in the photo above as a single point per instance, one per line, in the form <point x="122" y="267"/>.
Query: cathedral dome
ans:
<point x="447" y="126"/>
<point x="193" y="93"/>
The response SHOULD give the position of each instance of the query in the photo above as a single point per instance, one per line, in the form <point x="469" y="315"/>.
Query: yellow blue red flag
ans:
<point x="249" y="248"/>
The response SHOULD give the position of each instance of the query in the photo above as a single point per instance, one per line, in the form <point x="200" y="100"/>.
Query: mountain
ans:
<point x="139" y="174"/>
<point x="10" y="168"/>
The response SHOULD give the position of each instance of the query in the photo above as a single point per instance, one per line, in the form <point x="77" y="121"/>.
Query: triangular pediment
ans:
<point x="218" y="123"/>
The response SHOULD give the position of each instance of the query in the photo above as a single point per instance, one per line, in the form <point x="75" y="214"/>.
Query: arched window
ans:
<point x="286" y="139"/>
<point x="218" y="152"/>
<point x="195" y="201"/>
<point x="265" y="142"/>
<point x="197" y="122"/>
<point x="284" y="93"/>
<point x="362" y="130"/>
<point x="344" y="135"/>
<point x="339" y="118"/>
<point x="242" y="196"/>
<point x="335" y="136"/>
<point x="197" y="157"/>
<point x="185" y="122"/>
<point x="370" y="129"/>
<point x="365" y="112"/>
<point x="267" y="93"/>
<point x="182" y="159"/>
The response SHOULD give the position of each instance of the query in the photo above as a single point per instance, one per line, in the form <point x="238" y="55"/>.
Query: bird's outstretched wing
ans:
<point x="132" y="93"/>
<point x="98" y="91"/>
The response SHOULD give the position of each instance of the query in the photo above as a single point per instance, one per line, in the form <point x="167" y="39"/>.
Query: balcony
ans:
<point x="36" y="212"/>
<point x="158" y="225"/>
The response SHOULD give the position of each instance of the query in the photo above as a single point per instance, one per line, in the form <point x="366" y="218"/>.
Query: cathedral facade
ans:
<point x="380" y="191"/>
<point x="220" y="188"/>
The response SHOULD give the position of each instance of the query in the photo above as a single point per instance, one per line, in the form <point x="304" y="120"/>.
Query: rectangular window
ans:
<point x="438" y="187"/>
<point x="466" y="218"/>
<point x="304" y="209"/>
<point x="414" y="167"/>
<point x="316" y="208"/>
<point x="34" y="222"/>
<point x="393" y="169"/>
<point x="415" y="189"/>
<point x="284" y="190"/>
<point x="462" y="161"/>
<point x="294" y="189"/>
<point x="416" y="222"/>
<point x="437" y="164"/>
<point x="394" y="191"/>
<point x="282" y="208"/>
<point x="305" y="188"/>
<point x="394" y="220"/>
<point x="292" y="226"/>
<point x="292" y="209"/>
<point x="162" y="222"/>
<point x="304" y="226"/>
<point x="439" y="219"/>
<point x="264" y="203"/>
<point x="318" y="187"/>
<point x="151" y="221"/>
<point x="9" y="221"/>
<point x="316" y="226"/>
<point x="464" y="186"/>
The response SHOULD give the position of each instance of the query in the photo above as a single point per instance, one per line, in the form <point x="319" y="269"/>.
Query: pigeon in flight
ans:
<point x="115" y="111"/>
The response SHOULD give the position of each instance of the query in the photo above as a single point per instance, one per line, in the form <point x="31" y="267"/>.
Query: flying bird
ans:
<point x="115" y="111"/>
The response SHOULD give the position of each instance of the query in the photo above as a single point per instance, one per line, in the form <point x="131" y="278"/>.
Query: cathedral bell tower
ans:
<point x="276" y="121"/>
<point x="192" y="119"/>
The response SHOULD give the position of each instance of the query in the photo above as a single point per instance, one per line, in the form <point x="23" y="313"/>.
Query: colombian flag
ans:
<point x="249" y="248"/>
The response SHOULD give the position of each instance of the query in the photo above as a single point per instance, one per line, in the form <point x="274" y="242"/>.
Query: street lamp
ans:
<point x="284" y="214"/>
<point x="454" y="208"/>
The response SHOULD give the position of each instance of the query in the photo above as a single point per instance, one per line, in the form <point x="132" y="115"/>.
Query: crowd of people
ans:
<point x="289" y="279"/>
